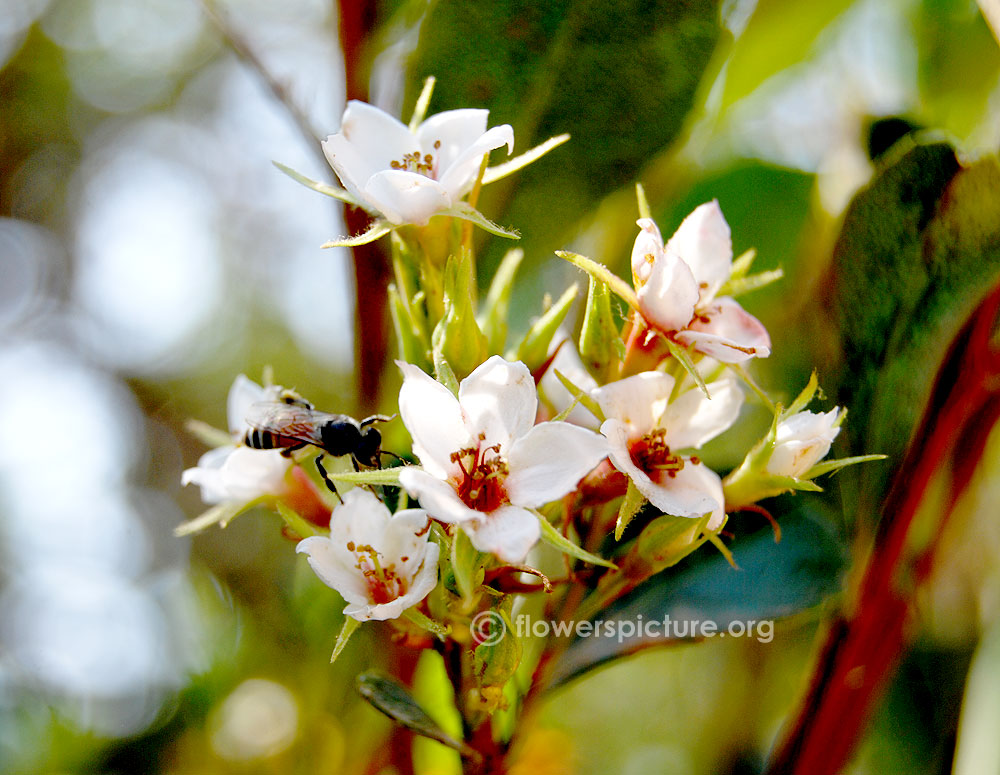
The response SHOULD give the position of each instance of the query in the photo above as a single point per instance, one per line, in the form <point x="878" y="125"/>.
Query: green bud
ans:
<point x="457" y="337"/>
<point x="601" y="346"/>
<point x="534" y="348"/>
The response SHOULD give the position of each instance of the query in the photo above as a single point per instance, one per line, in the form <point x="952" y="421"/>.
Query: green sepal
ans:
<point x="642" y="202"/>
<point x="444" y="374"/>
<point x="457" y="337"/>
<point x="600" y="337"/>
<point x="350" y="625"/>
<point x="378" y="228"/>
<point x="393" y="699"/>
<point x="424" y="622"/>
<point x="631" y="504"/>
<point x="412" y="348"/>
<point x="496" y="312"/>
<point x="296" y="523"/>
<point x="388" y="476"/>
<point x="684" y="359"/>
<point x="467" y="212"/>
<point x="534" y="347"/>
<point x="220" y="514"/>
<point x="741" y="266"/>
<point x="600" y="272"/>
<point x="737" y="286"/>
<point x="835" y="465"/>
<point x="668" y="539"/>
<point x="322" y="188"/>
<point x="493" y="664"/>
<point x="802" y="400"/>
<point x="207" y="434"/>
<point x="467" y="565"/>
<point x="579" y="396"/>
<point x="523" y="160"/>
<point x="423" y="102"/>
<point x="554" y="538"/>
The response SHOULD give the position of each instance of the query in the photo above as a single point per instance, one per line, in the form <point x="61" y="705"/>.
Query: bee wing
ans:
<point x="291" y="421"/>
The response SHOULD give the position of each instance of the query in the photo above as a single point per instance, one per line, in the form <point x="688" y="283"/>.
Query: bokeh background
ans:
<point x="149" y="252"/>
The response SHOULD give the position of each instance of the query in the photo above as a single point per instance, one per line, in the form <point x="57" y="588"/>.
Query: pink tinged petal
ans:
<point x="434" y="419"/>
<point x="499" y="400"/>
<point x="646" y="251"/>
<point x="550" y="460"/>
<point x="509" y="533"/>
<point x="694" y="419"/>
<point x="405" y="197"/>
<point x="731" y="334"/>
<point x="689" y="493"/>
<point x="668" y="291"/>
<point x="697" y="478"/>
<point x="369" y="140"/>
<point x="704" y="243"/>
<point x="459" y="177"/>
<point x="437" y="497"/>
<point x="420" y="587"/>
<point x="638" y="401"/>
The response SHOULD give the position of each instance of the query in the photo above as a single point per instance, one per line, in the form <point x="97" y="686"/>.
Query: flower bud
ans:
<point x="801" y="441"/>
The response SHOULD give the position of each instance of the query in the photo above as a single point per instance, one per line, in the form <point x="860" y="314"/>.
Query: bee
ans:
<point x="291" y="423"/>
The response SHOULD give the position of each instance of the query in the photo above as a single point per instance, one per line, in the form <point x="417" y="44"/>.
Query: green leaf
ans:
<point x="780" y="33"/>
<point x="494" y="661"/>
<point x="620" y="76"/>
<point x="601" y="273"/>
<point x="221" y="514"/>
<point x="301" y="527"/>
<point x="523" y="160"/>
<point x="774" y="581"/>
<point x="457" y="337"/>
<point x="497" y="311"/>
<point x="918" y="250"/>
<point x="467" y="212"/>
<point x="439" y="631"/>
<point x="600" y="337"/>
<point x="392" y="698"/>
<point x="207" y="435"/>
<point x="554" y="538"/>
<point x="684" y="359"/>
<point x="580" y="395"/>
<point x="534" y="348"/>
<point x="631" y="504"/>
<point x="466" y="565"/>
<point x="322" y="188"/>
<point x="388" y="476"/>
<point x="378" y="228"/>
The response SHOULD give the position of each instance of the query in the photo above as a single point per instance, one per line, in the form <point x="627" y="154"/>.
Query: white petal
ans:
<point x="694" y="419"/>
<point x="326" y="558"/>
<point x="550" y="460"/>
<point x="405" y="197"/>
<point x="459" y="177"/>
<point x="421" y="586"/>
<point x="689" y="493"/>
<point x="499" y="400"/>
<point x="568" y="363"/>
<point x="509" y="533"/>
<point x="369" y="140"/>
<point x="437" y="497"/>
<point x="703" y="241"/>
<point x="362" y="519"/>
<point x="731" y="335"/>
<point x="434" y="419"/>
<point x="446" y="135"/>
<point x="802" y="440"/>
<point x="666" y="288"/>
<point x="406" y="536"/>
<point x="637" y="401"/>
<point x="242" y="394"/>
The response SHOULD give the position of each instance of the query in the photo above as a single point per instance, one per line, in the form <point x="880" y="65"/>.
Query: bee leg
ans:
<point x="387" y="452"/>
<point x="287" y="451"/>
<point x="326" y="478"/>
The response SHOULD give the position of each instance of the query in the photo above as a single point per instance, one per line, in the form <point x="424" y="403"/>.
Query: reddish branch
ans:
<point x="863" y="648"/>
<point x="371" y="264"/>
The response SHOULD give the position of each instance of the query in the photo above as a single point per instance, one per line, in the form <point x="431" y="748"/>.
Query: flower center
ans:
<point x="422" y="164"/>
<point x="483" y="472"/>
<point x="383" y="583"/>
<point x="651" y="454"/>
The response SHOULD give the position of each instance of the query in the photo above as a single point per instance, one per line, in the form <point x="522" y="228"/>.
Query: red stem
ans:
<point x="863" y="648"/>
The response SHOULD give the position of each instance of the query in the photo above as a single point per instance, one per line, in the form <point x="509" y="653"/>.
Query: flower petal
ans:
<point x="731" y="334"/>
<point x="405" y="197"/>
<point x="567" y="362"/>
<point x="666" y="288"/>
<point x="238" y="474"/>
<point x="801" y="441"/>
<point x="637" y="401"/>
<point x="446" y="135"/>
<point x="509" y="533"/>
<point x="242" y="394"/>
<point x="459" y="177"/>
<point x="437" y="497"/>
<point x="499" y="401"/>
<point x="434" y="419"/>
<point x="550" y="460"/>
<point x="690" y="492"/>
<point x="421" y="586"/>
<point x="369" y="140"/>
<point x="327" y="559"/>
<point x="694" y="419"/>
<point x="703" y="241"/>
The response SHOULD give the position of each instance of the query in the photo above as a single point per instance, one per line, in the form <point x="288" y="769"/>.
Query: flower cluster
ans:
<point x="588" y="445"/>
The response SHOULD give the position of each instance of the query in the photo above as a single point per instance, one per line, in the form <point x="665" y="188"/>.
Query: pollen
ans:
<point x="384" y="584"/>
<point x="483" y="472"/>
<point x="651" y="454"/>
<point x="415" y="162"/>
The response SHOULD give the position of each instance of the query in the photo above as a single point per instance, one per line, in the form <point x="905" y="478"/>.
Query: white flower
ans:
<point x="644" y="429"/>
<point x="485" y="462"/>
<point x="238" y="473"/>
<point x="405" y="176"/>
<point x="801" y="441"/>
<point x="567" y="362"/>
<point x="380" y="563"/>
<point x="677" y="285"/>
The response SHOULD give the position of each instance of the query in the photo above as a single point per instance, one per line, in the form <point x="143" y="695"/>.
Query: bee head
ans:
<point x="368" y="446"/>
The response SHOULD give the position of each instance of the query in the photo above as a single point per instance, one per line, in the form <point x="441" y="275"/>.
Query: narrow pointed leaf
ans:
<point x="381" y="476"/>
<point x="322" y="188"/>
<point x="534" y="348"/>
<point x="554" y="538"/>
<point x="208" y="435"/>
<point x="496" y="319"/>
<point x="631" y="504"/>
<point x="439" y="631"/>
<point x="684" y="358"/>
<point x="300" y="526"/>
<point x="221" y="514"/>
<point x="523" y="160"/>
<point x="350" y="625"/>
<point x="469" y="213"/>
<point x="600" y="272"/>
<point x="600" y="337"/>
<point x="378" y="229"/>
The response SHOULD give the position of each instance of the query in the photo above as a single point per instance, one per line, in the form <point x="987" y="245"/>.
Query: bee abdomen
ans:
<point x="258" y="439"/>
